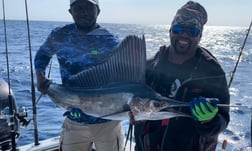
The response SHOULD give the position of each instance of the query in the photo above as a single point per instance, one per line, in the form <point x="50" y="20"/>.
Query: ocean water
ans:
<point x="223" y="42"/>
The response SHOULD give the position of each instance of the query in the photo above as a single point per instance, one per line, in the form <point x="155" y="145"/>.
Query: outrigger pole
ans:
<point x="34" y="109"/>
<point x="239" y="57"/>
<point x="233" y="72"/>
<point x="10" y="98"/>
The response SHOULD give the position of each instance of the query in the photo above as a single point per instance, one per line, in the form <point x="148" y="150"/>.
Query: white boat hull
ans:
<point x="51" y="144"/>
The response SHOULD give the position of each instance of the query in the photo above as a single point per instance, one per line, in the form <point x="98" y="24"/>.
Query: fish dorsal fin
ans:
<point x="127" y="63"/>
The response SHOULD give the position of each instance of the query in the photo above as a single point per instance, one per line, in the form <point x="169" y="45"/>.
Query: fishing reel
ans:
<point x="21" y="114"/>
<point x="19" y="119"/>
<point x="10" y="119"/>
<point x="8" y="123"/>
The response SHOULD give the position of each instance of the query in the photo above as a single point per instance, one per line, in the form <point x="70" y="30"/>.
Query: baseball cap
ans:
<point x="96" y="2"/>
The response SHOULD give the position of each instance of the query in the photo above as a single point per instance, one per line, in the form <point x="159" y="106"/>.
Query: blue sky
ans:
<point x="220" y="12"/>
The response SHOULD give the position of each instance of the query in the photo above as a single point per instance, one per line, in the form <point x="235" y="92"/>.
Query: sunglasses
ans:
<point x="180" y="29"/>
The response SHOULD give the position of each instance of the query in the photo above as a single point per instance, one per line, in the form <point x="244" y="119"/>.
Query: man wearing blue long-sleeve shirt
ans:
<point x="79" y="46"/>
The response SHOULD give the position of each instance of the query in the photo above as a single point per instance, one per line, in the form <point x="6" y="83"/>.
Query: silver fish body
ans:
<point x="115" y="101"/>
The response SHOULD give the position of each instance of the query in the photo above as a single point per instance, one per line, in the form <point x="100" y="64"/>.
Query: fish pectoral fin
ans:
<point x="118" y="116"/>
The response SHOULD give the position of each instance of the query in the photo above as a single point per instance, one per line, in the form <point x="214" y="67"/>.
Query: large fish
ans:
<point x="116" y="86"/>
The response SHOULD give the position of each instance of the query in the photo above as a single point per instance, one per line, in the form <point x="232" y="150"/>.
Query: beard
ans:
<point x="183" y="46"/>
<point x="85" y="23"/>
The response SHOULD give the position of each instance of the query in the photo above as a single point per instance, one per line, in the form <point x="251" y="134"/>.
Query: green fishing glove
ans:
<point x="204" y="109"/>
<point x="75" y="114"/>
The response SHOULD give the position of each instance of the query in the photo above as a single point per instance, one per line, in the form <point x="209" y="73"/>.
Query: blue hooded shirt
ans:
<point x="76" y="52"/>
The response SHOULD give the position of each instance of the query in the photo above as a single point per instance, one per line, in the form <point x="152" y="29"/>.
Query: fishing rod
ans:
<point x="236" y="65"/>
<point x="239" y="57"/>
<point x="129" y="137"/>
<point x="34" y="109"/>
<point x="10" y="98"/>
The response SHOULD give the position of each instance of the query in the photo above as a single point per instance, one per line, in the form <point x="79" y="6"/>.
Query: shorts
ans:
<point x="106" y="136"/>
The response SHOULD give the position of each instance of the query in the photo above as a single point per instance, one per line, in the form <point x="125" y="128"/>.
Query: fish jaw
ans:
<point x="147" y="109"/>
